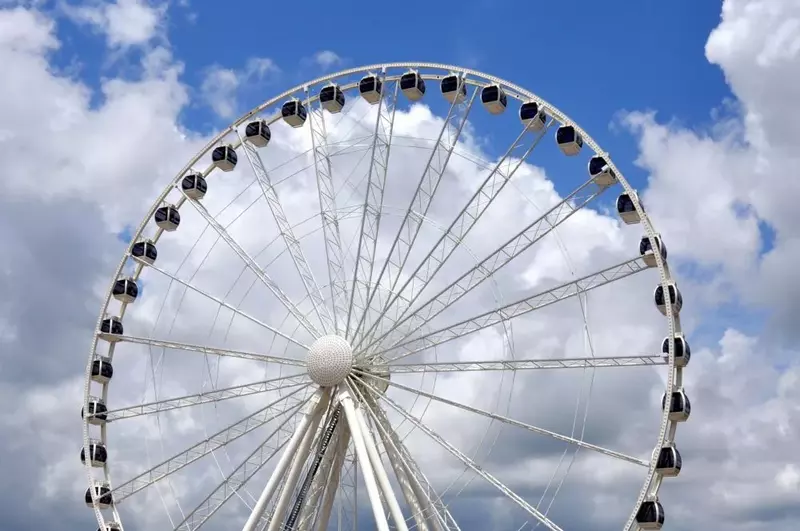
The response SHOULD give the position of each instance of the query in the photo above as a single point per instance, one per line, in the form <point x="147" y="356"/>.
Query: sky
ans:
<point x="102" y="103"/>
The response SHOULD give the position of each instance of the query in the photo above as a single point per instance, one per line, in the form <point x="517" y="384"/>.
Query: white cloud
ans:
<point x="221" y="85"/>
<point x="125" y="23"/>
<point x="327" y="59"/>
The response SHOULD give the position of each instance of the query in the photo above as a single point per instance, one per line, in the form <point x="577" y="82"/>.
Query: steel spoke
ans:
<point x="499" y="258"/>
<point x="421" y="202"/>
<point x="373" y="198"/>
<point x="230" y="307"/>
<point x="238" y="477"/>
<point x="327" y="204"/>
<point x="516" y="309"/>
<point x="522" y="365"/>
<point x="253" y="266"/>
<point x="518" y="424"/>
<point x="204" y="397"/>
<point x="221" y="438"/>
<point x="215" y="351"/>
<point x="466" y="219"/>
<point x="286" y="231"/>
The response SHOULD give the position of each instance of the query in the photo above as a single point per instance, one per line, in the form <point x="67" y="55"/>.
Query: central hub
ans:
<point x="330" y="360"/>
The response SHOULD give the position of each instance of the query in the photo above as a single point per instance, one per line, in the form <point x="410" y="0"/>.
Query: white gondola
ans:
<point x="454" y="89"/>
<point x="683" y="353"/>
<point x="569" y="140"/>
<point x="600" y="172"/>
<point x="370" y="87"/>
<point x="332" y="99"/>
<point x="258" y="133"/>
<point x="111" y="329"/>
<point x="650" y="515"/>
<point x="194" y="186"/>
<point x="102" y="370"/>
<point x="627" y="210"/>
<point x="412" y="85"/>
<point x="144" y="251"/>
<point x="494" y="99"/>
<point x="679" y="408"/>
<point x="532" y="116"/>
<point x="97" y="454"/>
<point x="110" y="526"/>
<point x="668" y="463"/>
<point x="125" y="290"/>
<point x="98" y="412"/>
<point x="103" y="494"/>
<point x="224" y="158"/>
<point x="167" y="217"/>
<point x="675" y="298"/>
<point x="646" y="250"/>
<point x="294" y="112"/>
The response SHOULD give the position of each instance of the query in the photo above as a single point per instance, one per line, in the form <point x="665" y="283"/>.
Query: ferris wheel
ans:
<point x="318" y="312"/>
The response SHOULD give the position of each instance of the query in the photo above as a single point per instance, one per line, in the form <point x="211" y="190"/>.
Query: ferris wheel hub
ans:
<point x="330" y="360"/>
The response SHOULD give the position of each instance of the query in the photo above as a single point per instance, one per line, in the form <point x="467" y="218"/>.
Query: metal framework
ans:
<point x="330" y="448"/>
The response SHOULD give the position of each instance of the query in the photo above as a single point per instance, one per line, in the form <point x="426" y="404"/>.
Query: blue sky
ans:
<point x="592" y="59"/>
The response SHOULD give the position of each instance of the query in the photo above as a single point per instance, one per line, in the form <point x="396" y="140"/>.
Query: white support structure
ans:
<point x="287" y="232"/>
<point x="311" y="416"/>
<point x="467" y="218"/>
<point x="251" y="264"/>
<point x="293" y="475"/>
<point x="424" y="505"/>
<point x="323" y="488"/>
<point x="373" y="200"/>
<point x="423" y="198"/>
<point x="333" y="480"/>
<point x="363" y="460"/>
<point x="496" y="260"/>
<point x="327" y="204"/>
<point x="380" y="473"/>
<point x="516" y="309"/>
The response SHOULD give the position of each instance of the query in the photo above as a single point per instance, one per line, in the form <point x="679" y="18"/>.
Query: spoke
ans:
<point x="480" y="201"/>
<point x="519" y="308"/>
<point x="251" y="422"/>
<point x="499" y="258"/>
<point x="522" y="365"/>
<point x="518" y="424"/>
<point x="327" y="205"/>
<point x="421" y="202"/>
<point x="469" y="463"/>
<point x="292" y="243"/>
<point x="253" y="266"/>
<point x="216" y="395"/>
<point x="239" y="477"/>
<point x="373" y="199"/>
<point x="215" y="351"/>
<point x="433" y="510"/>
<point x="230" y="307"/>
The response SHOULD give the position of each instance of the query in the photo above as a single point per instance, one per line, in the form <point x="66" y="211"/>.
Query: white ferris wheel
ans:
<point x="291" y="336"/>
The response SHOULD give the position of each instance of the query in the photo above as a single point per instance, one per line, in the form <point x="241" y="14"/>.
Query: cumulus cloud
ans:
<point x="124" y="23"/>
<point x="327" y="59"/>
<point x="709" y="193"/>
<point x="220" y="85"/>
